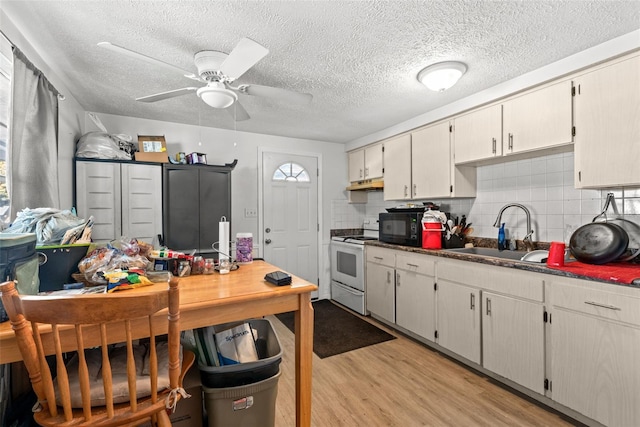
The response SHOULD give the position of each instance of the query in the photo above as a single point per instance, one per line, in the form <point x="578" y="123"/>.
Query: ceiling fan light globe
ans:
<point x="217" y="97"/>
<point x="441" y="76"/>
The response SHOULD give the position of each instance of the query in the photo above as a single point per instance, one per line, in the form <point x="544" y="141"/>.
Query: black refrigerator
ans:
<point x="195" y="198"/>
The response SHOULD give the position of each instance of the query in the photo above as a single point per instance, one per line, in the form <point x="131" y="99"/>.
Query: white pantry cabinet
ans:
<point x="125" y="199"/>
<point x="415" y="294"/>
<point x="380" y="283"/>
<point x="595" y="343"/>
<point x="366" y="163"/>
<point x="607" y="119"/>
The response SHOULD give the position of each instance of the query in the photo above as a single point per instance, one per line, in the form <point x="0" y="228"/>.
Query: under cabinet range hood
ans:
<point x="366" y="185"/>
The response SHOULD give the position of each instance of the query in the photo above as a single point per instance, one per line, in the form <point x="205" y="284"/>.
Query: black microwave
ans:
<point x="401" y="228"/>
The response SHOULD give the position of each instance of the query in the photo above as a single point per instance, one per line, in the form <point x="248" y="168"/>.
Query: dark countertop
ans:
<point x="499" y="262"/>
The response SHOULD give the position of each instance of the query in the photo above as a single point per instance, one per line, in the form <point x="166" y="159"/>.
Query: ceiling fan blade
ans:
<point x="244" y="56"/>
<point x="277" y="93"/>
<point x="148" y="59"/>
<point x="166" y="95"/>
<point x="238" y="112"/>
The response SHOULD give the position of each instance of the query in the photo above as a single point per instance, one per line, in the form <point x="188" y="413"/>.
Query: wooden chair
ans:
<point x="62" y="324"/>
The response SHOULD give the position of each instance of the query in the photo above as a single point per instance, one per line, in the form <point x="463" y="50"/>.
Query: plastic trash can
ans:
<point x="245" y="394"/>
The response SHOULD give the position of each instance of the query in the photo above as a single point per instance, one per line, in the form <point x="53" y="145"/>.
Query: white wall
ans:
<point x="543" y="184"/>
<point x="223" y="146"/>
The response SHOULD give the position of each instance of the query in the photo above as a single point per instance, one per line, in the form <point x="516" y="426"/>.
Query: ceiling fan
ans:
<point x="219" y="70"/>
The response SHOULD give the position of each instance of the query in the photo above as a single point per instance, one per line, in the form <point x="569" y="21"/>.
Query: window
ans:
<point x="290" y="172"/>
<point x="5" y="92"/>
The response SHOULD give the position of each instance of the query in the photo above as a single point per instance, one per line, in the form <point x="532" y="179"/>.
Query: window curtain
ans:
<point x="33" y="139"/>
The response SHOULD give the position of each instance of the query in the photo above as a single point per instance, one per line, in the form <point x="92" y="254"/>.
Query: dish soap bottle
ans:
<point x="502" y="242"/>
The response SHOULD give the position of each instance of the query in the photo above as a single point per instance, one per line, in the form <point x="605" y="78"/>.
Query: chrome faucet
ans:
<point x="527" y="239"/>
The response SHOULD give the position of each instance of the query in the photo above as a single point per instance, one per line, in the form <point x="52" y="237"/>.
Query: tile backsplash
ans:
<point x="543" y="184"/>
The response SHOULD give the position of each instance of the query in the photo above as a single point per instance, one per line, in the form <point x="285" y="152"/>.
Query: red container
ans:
<point x="432" y="235"/>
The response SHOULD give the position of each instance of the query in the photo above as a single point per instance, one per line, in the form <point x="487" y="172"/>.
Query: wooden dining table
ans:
<point x="213" y="299"/>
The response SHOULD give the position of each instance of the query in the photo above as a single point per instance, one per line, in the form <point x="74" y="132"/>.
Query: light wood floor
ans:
<point x="400" y="383"/>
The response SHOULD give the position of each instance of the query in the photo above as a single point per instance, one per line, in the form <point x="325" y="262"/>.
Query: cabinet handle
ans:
<point x="472" y="302"/>
<point x="610" y="307"/>
<point x="493" y="141"/>
<point x="388" y="277"/>
<point x="366" y="172"/>
<point x="510" y="141"/>
<point x="488" y="307"/>
<point x="379" y="258"/>
<point x="397" y="279"/>
<point x="405" y="190"/>
<point x="412" y="265"/>
<point x="415" y="190"/>
<point x="360" y="173"/>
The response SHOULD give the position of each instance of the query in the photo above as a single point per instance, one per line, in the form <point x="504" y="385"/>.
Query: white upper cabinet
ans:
<point x="535" y="120"/>
<point x="419" y="166"/>
<point x="397" y="173"/>
<point x="607" y="119"/>
<point x="538" y="119"/>
<point x="478" y="135"/>
<point x="366" y="163"/>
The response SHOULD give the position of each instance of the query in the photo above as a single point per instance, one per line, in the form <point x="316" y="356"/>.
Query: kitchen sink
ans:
<point x="533" y="256"/>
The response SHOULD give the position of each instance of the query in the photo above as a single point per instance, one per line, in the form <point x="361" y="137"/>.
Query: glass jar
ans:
<point x="184" y="268"/>
<point x="209" y="266"/>
<point x="197" y="265"/>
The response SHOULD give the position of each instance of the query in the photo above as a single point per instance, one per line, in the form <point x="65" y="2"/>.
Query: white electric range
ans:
<point x="347" y="267"/>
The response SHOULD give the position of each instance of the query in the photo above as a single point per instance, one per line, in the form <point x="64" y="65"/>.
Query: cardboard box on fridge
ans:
<point x="152" y="149"/>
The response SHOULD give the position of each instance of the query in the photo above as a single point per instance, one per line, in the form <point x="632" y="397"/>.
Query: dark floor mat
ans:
<point x="336" y="330"/>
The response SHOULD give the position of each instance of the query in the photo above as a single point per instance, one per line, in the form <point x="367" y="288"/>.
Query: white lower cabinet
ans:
<point x="459" y="319"/>
<point x="595" y="347"/>
<point x="380" y="283"/>
<point x="513" y="339"/>
<point x="415" y="294"/>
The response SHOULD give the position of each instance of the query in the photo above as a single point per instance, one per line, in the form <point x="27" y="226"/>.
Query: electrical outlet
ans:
<point x="250" y="213"/>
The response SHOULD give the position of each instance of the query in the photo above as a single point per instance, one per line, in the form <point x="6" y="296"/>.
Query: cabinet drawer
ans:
<point x="421" y="264"/>
<point x="504" y="280"/>
<point x="597" y="299"/>
<point x="381" y="256"/>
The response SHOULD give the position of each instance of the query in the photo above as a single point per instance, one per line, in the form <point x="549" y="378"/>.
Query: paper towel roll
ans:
<point x="223" y="238"/>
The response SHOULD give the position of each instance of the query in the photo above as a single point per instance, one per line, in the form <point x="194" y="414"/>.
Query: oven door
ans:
<point x="347" y="264"/>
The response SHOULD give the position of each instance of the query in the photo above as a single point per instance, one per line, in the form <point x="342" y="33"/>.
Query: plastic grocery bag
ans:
<point x="101" y="145"/>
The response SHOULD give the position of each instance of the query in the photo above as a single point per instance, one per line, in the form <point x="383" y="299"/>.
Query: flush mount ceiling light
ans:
<point x="216" y="95"/>
<point x="441" y="76"/>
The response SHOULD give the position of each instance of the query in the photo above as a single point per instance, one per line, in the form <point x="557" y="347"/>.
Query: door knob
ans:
<point x="268" y="230"/>
<point x="267" y="241"/>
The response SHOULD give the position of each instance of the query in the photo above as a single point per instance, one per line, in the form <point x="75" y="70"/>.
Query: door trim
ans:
<point x="318" y="157"/>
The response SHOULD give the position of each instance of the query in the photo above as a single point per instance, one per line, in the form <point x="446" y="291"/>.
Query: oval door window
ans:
<point x="291" y="172"/>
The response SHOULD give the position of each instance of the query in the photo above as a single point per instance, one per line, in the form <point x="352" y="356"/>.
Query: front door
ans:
<point x="290" y="213"/>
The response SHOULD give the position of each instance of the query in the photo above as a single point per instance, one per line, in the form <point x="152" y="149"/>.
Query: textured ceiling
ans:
<point x="359" y="59"/>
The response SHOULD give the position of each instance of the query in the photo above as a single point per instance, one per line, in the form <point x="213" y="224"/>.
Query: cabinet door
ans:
<point x="607" y="141"/>
<point x="181" y="219"/>
<point x="594" y="367"/>
<point x="141" y="201"/>
<point x="98" y="193"/>
<point x="415" y="303"/>
<point x="214" y="196"/>
<point x="373" y="161"/>
<point x="397" y="168"/>
<point x="513" y="340"/>
<point x="458" y="319"/>
<point x="431" y="162"/>
<point x="538" y="119"/>
<point x="380" y="291"/>
<point x="356" y="165"/>
<point x="477" y="135"/>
